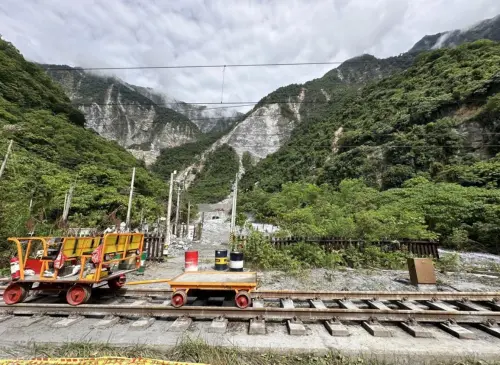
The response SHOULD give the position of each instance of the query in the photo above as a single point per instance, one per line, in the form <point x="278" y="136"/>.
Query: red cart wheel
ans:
<point x="78" y="294"/>
<point x="242" y="299"/>
<point x="179" y="298"/>
<point x="14" y="293"/>
<point x="117" y="283"/>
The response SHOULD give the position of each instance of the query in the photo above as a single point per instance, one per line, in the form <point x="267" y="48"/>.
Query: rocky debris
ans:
<point x="178" y="247"/>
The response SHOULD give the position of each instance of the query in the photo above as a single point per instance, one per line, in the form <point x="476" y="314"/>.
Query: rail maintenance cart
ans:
<point x="242" y="283"/>
<point x="72" y="265"/>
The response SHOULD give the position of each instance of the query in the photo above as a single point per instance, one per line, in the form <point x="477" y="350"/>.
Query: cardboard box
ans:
<point x="421" y="271"/>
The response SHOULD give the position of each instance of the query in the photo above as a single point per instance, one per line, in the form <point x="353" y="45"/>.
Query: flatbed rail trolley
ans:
<point x="242" y="283"/>
<point x="72" y="265"/>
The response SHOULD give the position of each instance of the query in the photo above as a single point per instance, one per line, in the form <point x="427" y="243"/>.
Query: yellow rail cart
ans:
<point x="242" y="283"/>
<point x="72" y="265"/>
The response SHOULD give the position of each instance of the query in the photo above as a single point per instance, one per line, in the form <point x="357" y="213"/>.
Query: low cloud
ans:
<point x="114" y="33"/>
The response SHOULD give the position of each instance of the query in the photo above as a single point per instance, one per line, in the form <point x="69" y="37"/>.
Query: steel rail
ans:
<point x="337" y="295"/>
<point x="271" y="314"/>
<point x="324" y="295"/>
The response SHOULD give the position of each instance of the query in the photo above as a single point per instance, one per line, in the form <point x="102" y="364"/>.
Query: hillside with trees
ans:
<point x="423" y="144"/>
<point x="52" y="151"/>
<point x="440" y="114"/>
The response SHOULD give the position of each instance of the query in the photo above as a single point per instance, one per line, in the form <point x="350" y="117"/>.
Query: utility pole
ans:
<point x="127" y="222"/>
<point x="177" y="211"/>
<point x="187" y="220"/>
<point x="4" y="163"/>
<point x="233" y="209"/>
<point x="169" y="209"/>
<point x="67" y="203"/>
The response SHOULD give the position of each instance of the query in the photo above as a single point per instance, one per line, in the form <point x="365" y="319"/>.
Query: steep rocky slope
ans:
<point x="118" y="111"/>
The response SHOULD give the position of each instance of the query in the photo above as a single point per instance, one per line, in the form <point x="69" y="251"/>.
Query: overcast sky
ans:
<point x="109" y="33"/>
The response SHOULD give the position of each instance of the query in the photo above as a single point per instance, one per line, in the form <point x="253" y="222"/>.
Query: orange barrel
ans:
<point x="191" y="261"/>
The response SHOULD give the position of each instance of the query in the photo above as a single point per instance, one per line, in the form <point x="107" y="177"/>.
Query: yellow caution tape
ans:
<point x="94" y="361"/>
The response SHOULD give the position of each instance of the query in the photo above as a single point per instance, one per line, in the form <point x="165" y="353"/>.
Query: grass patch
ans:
<point x="196" y="351"/>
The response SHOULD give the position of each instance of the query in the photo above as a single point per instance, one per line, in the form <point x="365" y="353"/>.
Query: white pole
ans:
<point x="4" y="163"/>
<point x="169" y="209"/>
<point x="187" y="220"/>
<point x="233" y="210"/>
<point x="177" y="210"/>
<point x="127" y="223"/>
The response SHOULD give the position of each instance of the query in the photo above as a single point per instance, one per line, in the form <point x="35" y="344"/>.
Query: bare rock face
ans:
<point x="263" y="132"/>
<point x="117" y="111"/>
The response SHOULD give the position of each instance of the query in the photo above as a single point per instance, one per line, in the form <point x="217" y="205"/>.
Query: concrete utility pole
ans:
<point x="127" y="222"/>
<point x="187" y="220"/>
<point x="4" y="163"/>
<point x="169" y="209"/>
<point x="177" y="210"/>
<point x="233" y="209"/>
<point x="67" y="203"/>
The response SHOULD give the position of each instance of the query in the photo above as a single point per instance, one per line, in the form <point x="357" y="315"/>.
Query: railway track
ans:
<point x="411" y="310"/>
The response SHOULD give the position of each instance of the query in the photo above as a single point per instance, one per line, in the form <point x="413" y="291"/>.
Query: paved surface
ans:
<point x="317" y="339"/>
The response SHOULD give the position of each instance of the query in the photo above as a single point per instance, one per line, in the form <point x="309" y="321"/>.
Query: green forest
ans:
<point x="52" y="151"/>
<point x="214" y="182"/>
<point x="440" y="114"/>
<point x="414" y="155"/>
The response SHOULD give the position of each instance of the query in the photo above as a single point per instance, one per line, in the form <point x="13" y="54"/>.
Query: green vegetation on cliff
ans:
<point x="178" y="158"/>
<point x="441" y="112"/>
<point x="52" y="151"/>
<point x="423" y="146"/>
<point x="214" y="182"/>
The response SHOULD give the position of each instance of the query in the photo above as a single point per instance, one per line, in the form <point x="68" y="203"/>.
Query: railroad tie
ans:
<point x="415" y="329"/>
<point x="142" y="323"/>
<point x="374" y="328"/>
<point x="296" y="327"/>
<point x="377" y="304"/>
<point x="257" y="303"/>
<point x="405" y="304"/>
<point x="439" y="306"/>
<point x="66" y="322"/>
<point x="316" y="303"/>
<point x="218" y="325"/>
<point x="336" y="328"/>
<point x="347" y="304"/>
<point x="287" y="303"/>
<point x="458" y="331"/>
<point x="257" y="326"/>
<point x="107" y="322"/>
<point x="491" y="327"/>
<point x="181" y="324"/>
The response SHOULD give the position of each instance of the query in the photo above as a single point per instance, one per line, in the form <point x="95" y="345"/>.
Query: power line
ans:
<point x="69" y="68"/>
<point x="289" y="134"/>
<point x="239" y="104"/>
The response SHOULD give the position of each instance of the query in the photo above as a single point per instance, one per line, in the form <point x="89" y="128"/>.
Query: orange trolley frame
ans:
<point x="242" y="283"/>
<point x="116" y="248"/>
